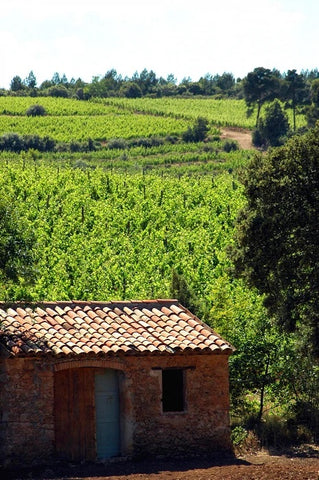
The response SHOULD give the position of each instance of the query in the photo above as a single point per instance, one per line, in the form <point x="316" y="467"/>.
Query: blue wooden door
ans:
<point x="107" y="413"/>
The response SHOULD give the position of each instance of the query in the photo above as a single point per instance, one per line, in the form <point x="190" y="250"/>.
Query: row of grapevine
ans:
<point x="100" y="127"/>
<point x="223" y="112"/>
<point x="110" y="236"/>
<point x="55" y="106"/>
<point x="120" y="117"/>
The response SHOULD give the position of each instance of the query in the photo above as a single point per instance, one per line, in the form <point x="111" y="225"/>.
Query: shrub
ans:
<point x="117" y="144"/>
<point x="238" y="435"/>
<point x="198" y="132"/>
<point x="146" y="142"/>
<point x="58" y="91"/>
<point x="273" y="128"/>
<point x="36" y="110"/>
<point x="12" y="142"/>
<point x="131" y="90"/>
<point x="230" y="146"/>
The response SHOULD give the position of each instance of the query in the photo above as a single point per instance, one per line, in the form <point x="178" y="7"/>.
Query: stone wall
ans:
<point x="26" y="411"/>
<point x="27" y="406"/>
<point x="204" y="425"/>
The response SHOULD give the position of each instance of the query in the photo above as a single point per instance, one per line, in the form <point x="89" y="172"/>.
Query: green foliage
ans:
<point x="58" y="91"/>
<point x="230" y="146"/>
<point x="179" y="289"/>
<point x="13" y="142"/>
<point x="147" y="215"/>
<point x="36" y="110"/>
<point x="30" y="81"/>
<point x="72" y="120"/>
<point x="295" y="92"/>
<point x="273" y="128"/>
<point x="117" y="143"/>
<point x="198" y="132"/>
<point x="260" y="86"/>
<point x="238" y="314"/>
<point x="117" y="235"/>
<point x="15" y="250"/>
<point x="277" y="234"/>
<point x="131" y="90"/>
<point x="16" y="84"/>
<point x="312" y="112"/>
<point x="238" y="435"/>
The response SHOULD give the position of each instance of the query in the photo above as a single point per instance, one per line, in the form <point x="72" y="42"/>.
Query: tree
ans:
<point x="16" y="84"/>
<point x="146" y="80"/>
<point x="271" y="129"/>
<point x="295" y="92"/>
<point x="56" y="79"/>
<point x="112" y="80"/>
<point x="30" y="81"/>
<point x="277" y="248"/>
<point x="312" y="112"/>
<point x="198" y="132"/>
<point x="260" y="86"/>
<point x="58" y="91"/>
<point x="131" y="90"/>
<point x="226" y="81"/>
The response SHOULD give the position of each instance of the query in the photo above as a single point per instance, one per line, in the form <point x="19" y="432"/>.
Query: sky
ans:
<point x="188" y="38"/>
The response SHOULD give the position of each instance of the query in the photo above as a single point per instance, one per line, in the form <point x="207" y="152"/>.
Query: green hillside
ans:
<point x="125" y="207"/>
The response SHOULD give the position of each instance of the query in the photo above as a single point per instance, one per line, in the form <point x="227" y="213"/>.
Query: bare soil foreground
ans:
<point x="297" y="465"/>
<point x="243" y="137"/>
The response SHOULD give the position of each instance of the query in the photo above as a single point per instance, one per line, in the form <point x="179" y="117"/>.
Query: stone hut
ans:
<point x="87" y="381"/>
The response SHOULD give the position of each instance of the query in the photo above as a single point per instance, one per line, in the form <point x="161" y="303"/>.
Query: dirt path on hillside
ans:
<point x="243" y="137"/>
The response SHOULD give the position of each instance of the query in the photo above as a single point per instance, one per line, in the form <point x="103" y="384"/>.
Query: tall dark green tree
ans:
<point x="260" y="86"/>
<point x="16" y="84"/>
<point x="273" y="128"/>
<point x="277" y="234"/>
<point x="31" y="80"/>
<point x="295" y="92"/>
<point x="312" y="112"/>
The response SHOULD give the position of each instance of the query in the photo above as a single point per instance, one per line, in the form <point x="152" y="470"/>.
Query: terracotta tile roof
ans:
<point x="79" y="328"/>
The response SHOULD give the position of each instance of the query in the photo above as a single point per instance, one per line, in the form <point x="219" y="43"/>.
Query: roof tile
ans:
<point x="76" y="328"/>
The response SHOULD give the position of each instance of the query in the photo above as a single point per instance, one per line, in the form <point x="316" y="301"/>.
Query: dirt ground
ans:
<point x="297" y="465"/>
<point x="243" y="137"/>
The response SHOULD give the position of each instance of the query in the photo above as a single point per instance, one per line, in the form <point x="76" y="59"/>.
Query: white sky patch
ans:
<point x="88" y="38"/>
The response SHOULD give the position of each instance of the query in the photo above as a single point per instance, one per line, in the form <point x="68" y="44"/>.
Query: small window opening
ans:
<point x="173" y="390"/>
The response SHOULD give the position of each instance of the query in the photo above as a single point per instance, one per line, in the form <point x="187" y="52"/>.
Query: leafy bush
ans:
<point x="230" y="146"/>
<point x="131" y="90"/>
<point x="146" y="142"/>
<point x="273" y="128"/>
<point x="58" y="91"/>
<point x="238" y="435"/>
<point x="36" y="110"/>
<point x="117" y="144"/>
<point x="279" y="432"/>
<point x="11" y="142"/>
<point x="198" y="132"/>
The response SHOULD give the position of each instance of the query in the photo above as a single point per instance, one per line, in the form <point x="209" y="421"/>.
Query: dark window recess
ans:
<point x="173" y="390"/>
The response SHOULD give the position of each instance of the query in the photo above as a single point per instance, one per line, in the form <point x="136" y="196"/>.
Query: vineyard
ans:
<point x="139" y="213"/>
<point x="115" y="222"/>
<point x="108" y="235"/>
<point x="225" y="112"/>
<point x="69" y="120"/>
